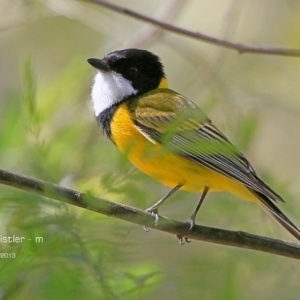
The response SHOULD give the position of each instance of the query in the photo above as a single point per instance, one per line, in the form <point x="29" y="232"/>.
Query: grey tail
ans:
<point x="278" y="215"/>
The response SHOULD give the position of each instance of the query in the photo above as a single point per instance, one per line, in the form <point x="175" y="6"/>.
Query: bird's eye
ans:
<point x="133" y="72"/>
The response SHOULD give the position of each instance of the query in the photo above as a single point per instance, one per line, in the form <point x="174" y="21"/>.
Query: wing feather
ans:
<point x="180" y="125"/>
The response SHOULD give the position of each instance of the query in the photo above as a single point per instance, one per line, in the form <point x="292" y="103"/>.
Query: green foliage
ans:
<point x="47" y="130"/>
<point x="60" y="250"/>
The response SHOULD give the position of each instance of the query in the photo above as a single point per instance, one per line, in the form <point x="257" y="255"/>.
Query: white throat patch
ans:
<point x="109" y="88"/>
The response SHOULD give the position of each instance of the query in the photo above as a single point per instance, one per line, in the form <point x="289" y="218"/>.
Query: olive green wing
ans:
<point x="172" y="120"/>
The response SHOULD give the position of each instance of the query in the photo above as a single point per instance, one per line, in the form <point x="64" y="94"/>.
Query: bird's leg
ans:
<point x="154" y="208"/>
<point x="191" y="219"/>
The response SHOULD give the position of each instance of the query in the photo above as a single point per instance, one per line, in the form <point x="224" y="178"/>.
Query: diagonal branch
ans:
<point x="136" y="216"/>
<point x="241" y="48"/>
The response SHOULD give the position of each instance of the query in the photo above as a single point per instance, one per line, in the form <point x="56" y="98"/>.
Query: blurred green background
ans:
<point x="48" y="131"/>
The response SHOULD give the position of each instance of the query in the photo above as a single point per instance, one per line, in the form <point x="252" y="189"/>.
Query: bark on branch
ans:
<point x="241" y="48"/>
<point x="137" y="216"/>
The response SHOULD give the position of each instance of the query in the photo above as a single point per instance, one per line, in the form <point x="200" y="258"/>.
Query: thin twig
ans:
<point x="136" y="216"/>
<point x="241" y="48"/>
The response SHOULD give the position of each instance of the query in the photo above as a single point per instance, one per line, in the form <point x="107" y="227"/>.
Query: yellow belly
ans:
<point x="167" y="168"/>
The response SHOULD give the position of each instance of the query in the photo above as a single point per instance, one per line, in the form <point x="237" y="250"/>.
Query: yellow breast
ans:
<point x="168" y="168"/>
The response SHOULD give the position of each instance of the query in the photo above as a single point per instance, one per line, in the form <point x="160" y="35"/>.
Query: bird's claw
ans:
<point x="154" y="213"/>
<point x="191" y="223"/>
<point x="182" y="240"/>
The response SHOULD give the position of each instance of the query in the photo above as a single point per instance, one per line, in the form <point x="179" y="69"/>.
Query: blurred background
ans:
<point x="48" y="130"/>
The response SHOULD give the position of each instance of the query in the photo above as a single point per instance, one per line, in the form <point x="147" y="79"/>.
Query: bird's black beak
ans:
<point x="98" y="64"/>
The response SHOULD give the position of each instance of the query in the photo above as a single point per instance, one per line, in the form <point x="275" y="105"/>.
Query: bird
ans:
<point x="168" y="137"/>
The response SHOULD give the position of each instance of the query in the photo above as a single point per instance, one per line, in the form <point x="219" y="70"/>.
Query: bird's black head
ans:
<point x="141" y="67"/>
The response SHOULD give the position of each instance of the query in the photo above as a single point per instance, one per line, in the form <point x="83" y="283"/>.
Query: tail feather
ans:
<point x="278" y="215"/>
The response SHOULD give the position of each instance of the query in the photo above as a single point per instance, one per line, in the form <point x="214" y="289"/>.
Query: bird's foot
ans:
<point x="154" y="212"/>
<point x="182" y="240"/>
<point x="191" y="222"/>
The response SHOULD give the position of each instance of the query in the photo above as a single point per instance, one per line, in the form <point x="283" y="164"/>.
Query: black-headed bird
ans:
<point x="168" y="137"/>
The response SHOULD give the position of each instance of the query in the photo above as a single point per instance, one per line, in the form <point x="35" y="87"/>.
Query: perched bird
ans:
<point x="168" y="137"/>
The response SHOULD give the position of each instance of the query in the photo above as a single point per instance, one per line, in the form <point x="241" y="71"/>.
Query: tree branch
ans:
<point x="136" y="216"/>
<point x="241" y="48"/>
